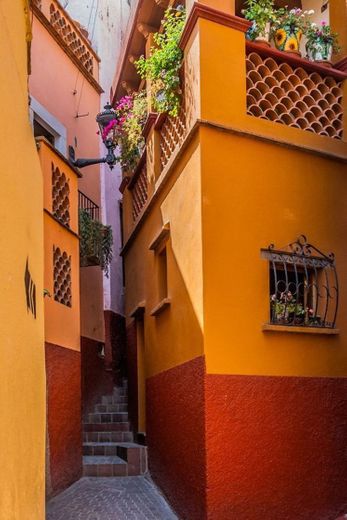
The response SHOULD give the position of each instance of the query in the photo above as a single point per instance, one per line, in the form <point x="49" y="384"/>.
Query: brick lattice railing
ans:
<point x="139" y="190"/>
<point x="172" y="135"/>
<point x="68" y="33"/>
<point x="293" y="96"/>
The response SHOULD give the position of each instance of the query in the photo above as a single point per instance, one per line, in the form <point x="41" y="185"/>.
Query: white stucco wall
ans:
<point x="106" y="22"/>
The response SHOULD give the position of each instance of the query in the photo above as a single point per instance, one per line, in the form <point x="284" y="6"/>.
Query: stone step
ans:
<point x="136" y="457"/>
<point x="102" y="417"/>
<point x="104" y="467"/>
<point x="111" y="399"/>
<point x="107" y="427"/>
<point x="119" y="391"/>
<point x="108" y="448"/>
<point x="111" y="408"/>
<point x="133" y="454"/>
<point x="108" y="437"/>
<point x="100" y="448"/>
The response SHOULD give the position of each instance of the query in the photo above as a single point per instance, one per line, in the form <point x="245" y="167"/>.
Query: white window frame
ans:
<point x="40" y="114"/>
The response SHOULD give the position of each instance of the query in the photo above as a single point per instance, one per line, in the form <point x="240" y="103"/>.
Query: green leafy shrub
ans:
<point x="162" y="67"/>
<point x="95" y="242"/>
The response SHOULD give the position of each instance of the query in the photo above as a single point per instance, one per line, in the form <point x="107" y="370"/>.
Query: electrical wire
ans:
<point x="91" y="38"/>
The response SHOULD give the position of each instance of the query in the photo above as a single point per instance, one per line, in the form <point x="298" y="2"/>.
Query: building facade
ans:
<point x="22" y="381"/>
<point x="244" y="410"/>
<point x="65" y="99"/>
<point x="107" y="26"/>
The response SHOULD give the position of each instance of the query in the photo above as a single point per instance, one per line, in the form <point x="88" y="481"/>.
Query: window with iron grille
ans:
<point x="303" y="285"/>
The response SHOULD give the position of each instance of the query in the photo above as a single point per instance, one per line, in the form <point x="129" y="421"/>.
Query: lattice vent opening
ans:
<point x="62" y="277"/>
<point x="60" y="196"/>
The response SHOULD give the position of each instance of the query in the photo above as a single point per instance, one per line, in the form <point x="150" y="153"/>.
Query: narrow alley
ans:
<point x="120" y="498"/>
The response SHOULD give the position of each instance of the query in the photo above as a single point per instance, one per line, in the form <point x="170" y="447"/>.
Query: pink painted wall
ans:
<point x="58" y="85"/>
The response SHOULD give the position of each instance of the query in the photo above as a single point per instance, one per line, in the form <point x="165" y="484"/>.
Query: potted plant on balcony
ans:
<point x="95" y="242"/>
<point x="162" y="66"/>
<point x="321" y="43"/>
<point x="262" y="14"/>
<point x="126" y="129"/>
<point x="131" y="140"/>
<point x="285" y="310"/>
<point x="288" y="29"/>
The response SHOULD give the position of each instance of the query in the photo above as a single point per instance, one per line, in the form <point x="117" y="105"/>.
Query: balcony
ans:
<point x="61" y="243"/>
<point x="294" y="92"/>
<point x="72" y="38"/>
<point x="255" y="91"/>
<point x="95" y="239"/>
<point x="85" y="203"/>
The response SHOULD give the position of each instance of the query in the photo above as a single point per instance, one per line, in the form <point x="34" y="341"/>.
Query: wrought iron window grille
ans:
<point x="303" y="285"/>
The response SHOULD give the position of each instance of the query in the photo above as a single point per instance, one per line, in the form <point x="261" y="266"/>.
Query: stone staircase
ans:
<point x="109" y="449"/>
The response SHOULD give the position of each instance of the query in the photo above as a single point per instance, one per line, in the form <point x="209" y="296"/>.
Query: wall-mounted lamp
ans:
<point x="103" y="119"/>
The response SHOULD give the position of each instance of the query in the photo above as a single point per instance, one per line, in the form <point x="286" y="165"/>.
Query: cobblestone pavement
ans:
<point x="128" y="498"/>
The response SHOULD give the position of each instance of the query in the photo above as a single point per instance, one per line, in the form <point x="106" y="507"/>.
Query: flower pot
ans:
<point x="264" y="38"/>
<point x="320" y="52"/>
<point x="288" y="39"/>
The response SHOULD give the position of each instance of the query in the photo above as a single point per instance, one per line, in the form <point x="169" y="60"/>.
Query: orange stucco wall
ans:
<point x="175" y="335"/>
<point x="22" y="370"/>
<point x="266" y="194"/>
<point x="64" y="92"/>
<point x="62" y="323"/>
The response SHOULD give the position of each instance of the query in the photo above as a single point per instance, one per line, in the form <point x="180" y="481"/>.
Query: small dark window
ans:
<point x="162" y="274"/>
<point x="303" y="286"/>
<point x="40" y="131"/>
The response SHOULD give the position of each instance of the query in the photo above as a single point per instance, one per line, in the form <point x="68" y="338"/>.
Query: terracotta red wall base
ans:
<point x="224" y="447"/>
<point x="131" y="359"/>
<point x="64" y="437"/>
<point x="96" y="380"/>
<point x="276" y="447"/>
<point x="176" y="437"/>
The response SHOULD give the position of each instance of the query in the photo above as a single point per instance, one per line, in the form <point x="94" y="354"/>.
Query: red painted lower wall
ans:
<point x="131" y="359"/>
<point x="95" y="379"/>
<point x="226" y="447"/>
<point x="276" y="447"/>
<point x="64" y="437"/>
<point x="176" y="436"/>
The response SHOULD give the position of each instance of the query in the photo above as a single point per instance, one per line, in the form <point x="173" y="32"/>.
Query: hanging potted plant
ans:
<point x="261" y="13"/>
<point x="321" y="43"/>
<point x="95" y="242"/>
<point x="163" y="65"/>
<point x="288" y="28"/>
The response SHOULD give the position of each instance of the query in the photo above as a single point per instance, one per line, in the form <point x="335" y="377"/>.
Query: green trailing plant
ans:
<point x="131" y="141"/>
<point x="162" y="67"/>
<point x="95" y="242"/>
<point x="261" y="13"/>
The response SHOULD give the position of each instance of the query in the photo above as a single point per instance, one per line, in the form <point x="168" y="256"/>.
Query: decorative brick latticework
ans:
<point x="37" y="3"/>
<point x="294" y="96"/>
<point x="140" y="192"/>
<point x="60" y="196"/>
<point x="62" y="277"/>
<point x="173" y="133"/>
<point x="70" y="37"/>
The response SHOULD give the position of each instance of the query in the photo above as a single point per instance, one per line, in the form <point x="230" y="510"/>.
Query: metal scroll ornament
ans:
<point x="303" y="285"/>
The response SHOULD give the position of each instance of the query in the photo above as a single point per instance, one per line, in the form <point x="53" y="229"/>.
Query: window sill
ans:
<point x="267" y="327"/>
<point x="166" y="302"/>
